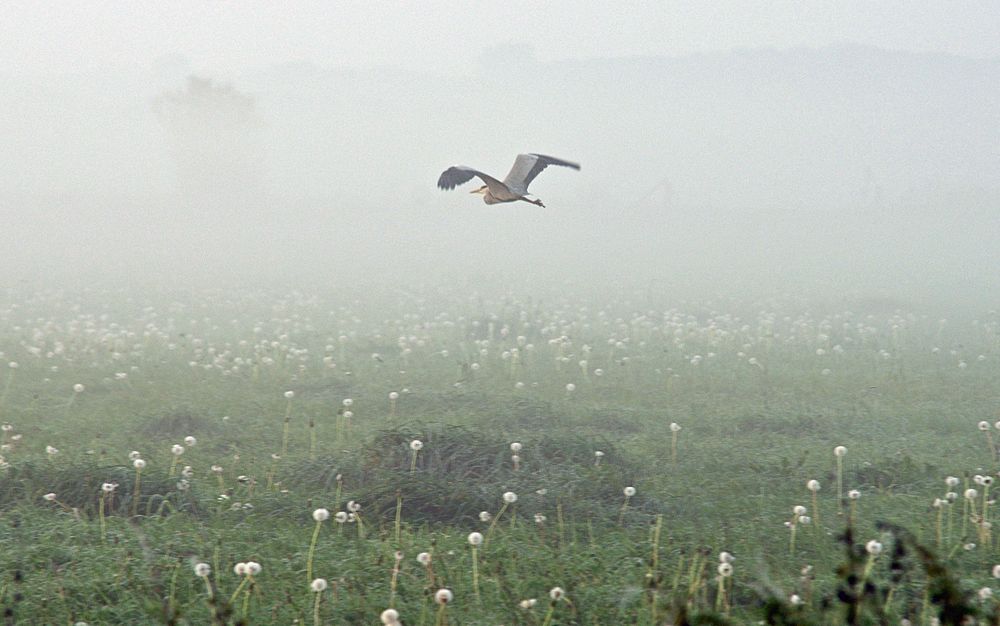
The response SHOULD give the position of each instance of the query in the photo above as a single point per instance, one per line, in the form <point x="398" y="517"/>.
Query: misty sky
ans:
<point x="218" y="36"/>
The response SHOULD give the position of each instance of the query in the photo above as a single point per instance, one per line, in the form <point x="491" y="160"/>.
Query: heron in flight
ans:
<point x="511" y="189"/>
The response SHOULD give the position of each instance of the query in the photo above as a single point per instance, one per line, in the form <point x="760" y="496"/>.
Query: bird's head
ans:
<point x="481" y="190"/>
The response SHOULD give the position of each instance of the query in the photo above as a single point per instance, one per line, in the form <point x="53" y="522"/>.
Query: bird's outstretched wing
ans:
<point x="458" y="174"/>
<point x="528" y="166"/>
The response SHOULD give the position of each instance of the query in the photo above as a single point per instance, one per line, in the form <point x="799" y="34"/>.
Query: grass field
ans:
<point x="716" y="413"/>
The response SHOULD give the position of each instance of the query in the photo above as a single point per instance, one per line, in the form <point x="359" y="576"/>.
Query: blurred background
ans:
<point x="835" y="148"/>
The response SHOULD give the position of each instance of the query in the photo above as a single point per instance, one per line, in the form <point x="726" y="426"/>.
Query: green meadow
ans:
<point x="249" y="457"/>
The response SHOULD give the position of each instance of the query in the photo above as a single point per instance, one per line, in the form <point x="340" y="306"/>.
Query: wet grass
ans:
<point x="750" y="438"/>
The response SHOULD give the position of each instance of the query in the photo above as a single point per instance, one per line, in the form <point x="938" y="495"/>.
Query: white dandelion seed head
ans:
<point x="389" y="617"/>
<point x="510" y="497"/>
<point x="340" y="517"/>
<point x="799" y="510"/>
<point x="725" y="570"/>
<point x="969" y="547"/>
<point x="971" y="494"/>
<point x="840" y="451"/>
<point x="217" y="469"/>
<point x="318" y="585"/>
<point x="996" y="571"/>
<point x="177" y="449"/>
<point x="50" y="450"/>
<point x="133" y="455"/>
<point x="629" y="491"/>
<point x="726" y="557"/>
<point x="424" y="558"/>
<point x="394" y="395"/>
<point x="190" y="441"/>
<point x="984" y="425"/>
<point x="795" y="600"/>
<point x="321" y="515"/>
<point x="675" y="427"/>
<point x="475" y="539"/>
<point x="78" y="388"/>
<point x="444" y="596"/>
<point x="240" y="569"/>
<point x="253" y="568"/>
<point x="515" y="447"/>
<point x="985" y="593"/>
<point x="348" y="414"/>
<point x="557" y="593"/>
<point x="109" y="487"/>
<point x="50" y="497"/>
<point x="485" y="516"/>
<point x="348" y="402"/>
<point x="873" y="547"/>
<point x="599" y="372"/>
<point x="539" y="518"/>
<point x="813" y="485"/>
<point x="853" y="494"/>
<point x="289" y="394"/>
<point x="515" y="458"/>
<point x="416" y="445"/>
<point x="952" y="481"/>
<point x="598" y="453"/>
<point x="570" y="387"/>
<point x="527" y="604"/>
<point x="353" y="506"/>
<point x="202" y="570"/>
<point x="139" y="464"/>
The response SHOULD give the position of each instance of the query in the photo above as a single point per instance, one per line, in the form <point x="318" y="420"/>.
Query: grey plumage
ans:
<point x="512" y="188"/>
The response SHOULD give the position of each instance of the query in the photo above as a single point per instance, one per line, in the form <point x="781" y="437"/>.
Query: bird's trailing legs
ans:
<point x="538" y="202"/>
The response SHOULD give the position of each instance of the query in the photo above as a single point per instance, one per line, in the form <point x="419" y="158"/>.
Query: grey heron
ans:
<point x="510" y="189"/>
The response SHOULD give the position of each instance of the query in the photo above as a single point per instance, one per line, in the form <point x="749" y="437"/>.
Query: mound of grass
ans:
<point x="176" y="424"/>
<point x="461" y="471"/>
<point x="78" y="486"/>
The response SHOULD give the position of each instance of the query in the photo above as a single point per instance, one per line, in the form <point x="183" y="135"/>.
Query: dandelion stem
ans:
<point x="840" y="486"/>
<point x="493" y="524"/>
<point x="211" y="600"/>
<point x="100" y="515"/>
<point x="319" y="596"/>
<point x="312" y="552"/>
<point x="312" y="439"/>
<point x="549" y="613"/>
<point x="239" y="588"/>
<point x="135" y="492"/>
<point x="621" y="514"/>
<point x="399" y="514"/>
<point x="475" y="573"/>
<point x="284" y="434"/>
<point x="442" y="617"/>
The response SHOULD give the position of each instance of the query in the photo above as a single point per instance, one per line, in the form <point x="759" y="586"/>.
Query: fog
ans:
<point x="837" y="169"/>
